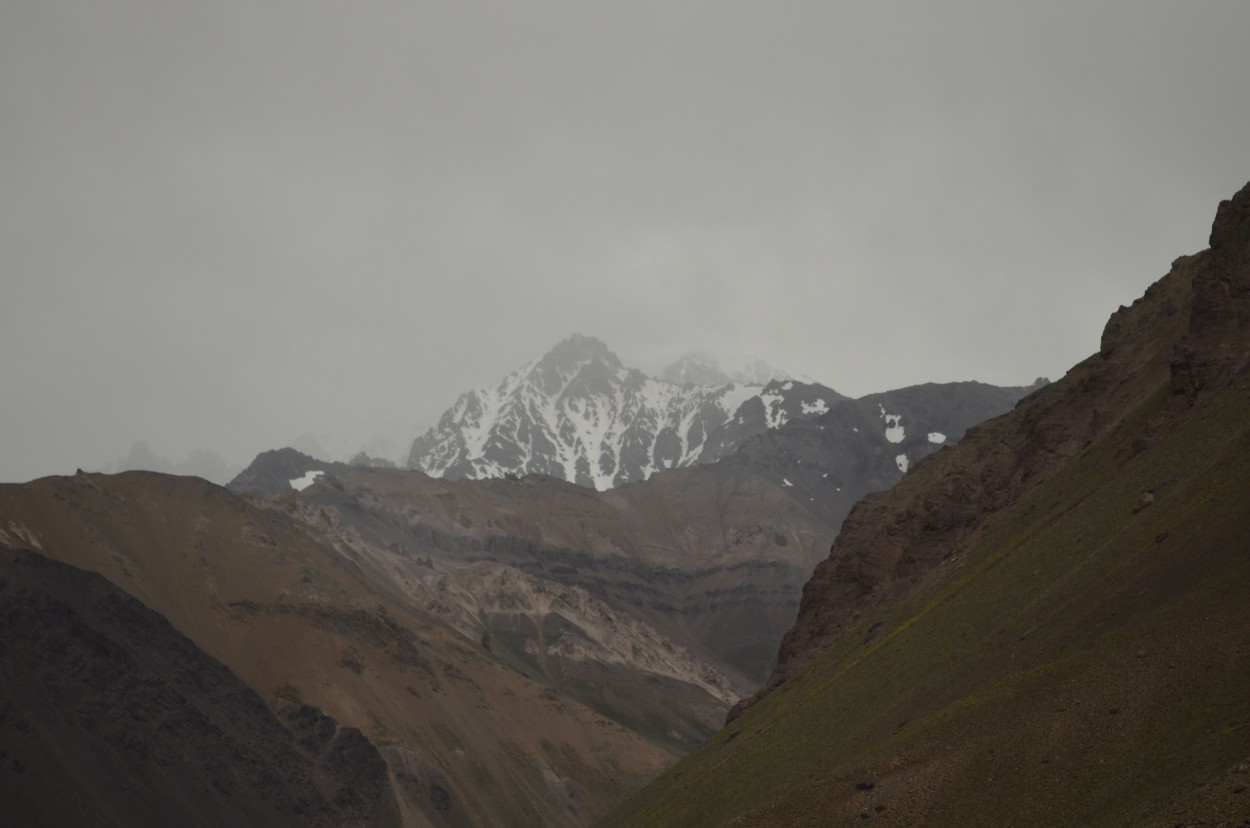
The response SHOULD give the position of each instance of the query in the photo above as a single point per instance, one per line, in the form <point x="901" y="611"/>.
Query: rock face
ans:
<point x="1188" y="333"/>
<point x="108" y="716"/>
<point x="578" y="414"/>
<point x="1213" y="350"/>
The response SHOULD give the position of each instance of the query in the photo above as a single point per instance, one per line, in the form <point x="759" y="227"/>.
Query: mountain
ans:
<point x="580" y="415"/>
<point x="1048" y="624"/>
<point x="465" y="739"/>
<point x="699" y="368"/>
<point x="108" y="716"/>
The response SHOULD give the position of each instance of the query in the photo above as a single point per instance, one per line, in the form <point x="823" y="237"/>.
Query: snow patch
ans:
<point x="774" y="415"/>
<point x="893" y="430"/>
<point x="299" y="484"/>
<point x="786" y="482"/>
<point x="937" y="437"/>
<point x="901" y="462"/>
<point x="733" y="396"/>
<point x="818" y="407"/>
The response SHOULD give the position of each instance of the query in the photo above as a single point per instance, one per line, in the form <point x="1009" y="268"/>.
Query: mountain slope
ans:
<point x="1048" y="624"/>
<point x="656" y="604"/>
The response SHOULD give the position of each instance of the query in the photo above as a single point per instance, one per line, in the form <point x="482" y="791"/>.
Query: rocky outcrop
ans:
<point x="1174" y="338"/>
<point x="1214" y="348"/>
<point x="281" y="470"/>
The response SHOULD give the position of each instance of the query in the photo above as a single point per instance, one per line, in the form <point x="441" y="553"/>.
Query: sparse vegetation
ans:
<point x="288" y="692"/>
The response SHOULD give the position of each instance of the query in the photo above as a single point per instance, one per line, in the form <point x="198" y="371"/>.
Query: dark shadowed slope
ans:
<point x="110" y="717"/>
<point x="1048" y="624"/>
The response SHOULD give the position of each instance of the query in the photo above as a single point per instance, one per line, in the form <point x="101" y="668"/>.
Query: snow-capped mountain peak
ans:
<point x="579" y="414"/>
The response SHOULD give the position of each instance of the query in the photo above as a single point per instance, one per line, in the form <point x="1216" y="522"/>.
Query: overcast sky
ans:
<point x="226" y="224"/>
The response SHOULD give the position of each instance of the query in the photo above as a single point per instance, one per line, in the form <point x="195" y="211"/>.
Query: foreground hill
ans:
<point x="466" y="741"/>
<point x="1048" y="624"/>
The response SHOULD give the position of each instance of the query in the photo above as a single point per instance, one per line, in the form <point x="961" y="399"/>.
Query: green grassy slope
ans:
<point x="1082" y="663"/>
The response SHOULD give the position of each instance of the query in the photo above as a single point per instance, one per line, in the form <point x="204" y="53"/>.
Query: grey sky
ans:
<point x="224" y="224"/>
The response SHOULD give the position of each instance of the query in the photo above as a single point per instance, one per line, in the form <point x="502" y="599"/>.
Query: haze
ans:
<point x="226" y="225"/>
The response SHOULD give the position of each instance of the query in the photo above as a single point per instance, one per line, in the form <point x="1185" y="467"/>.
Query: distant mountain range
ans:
<point x="204" y="463"/>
